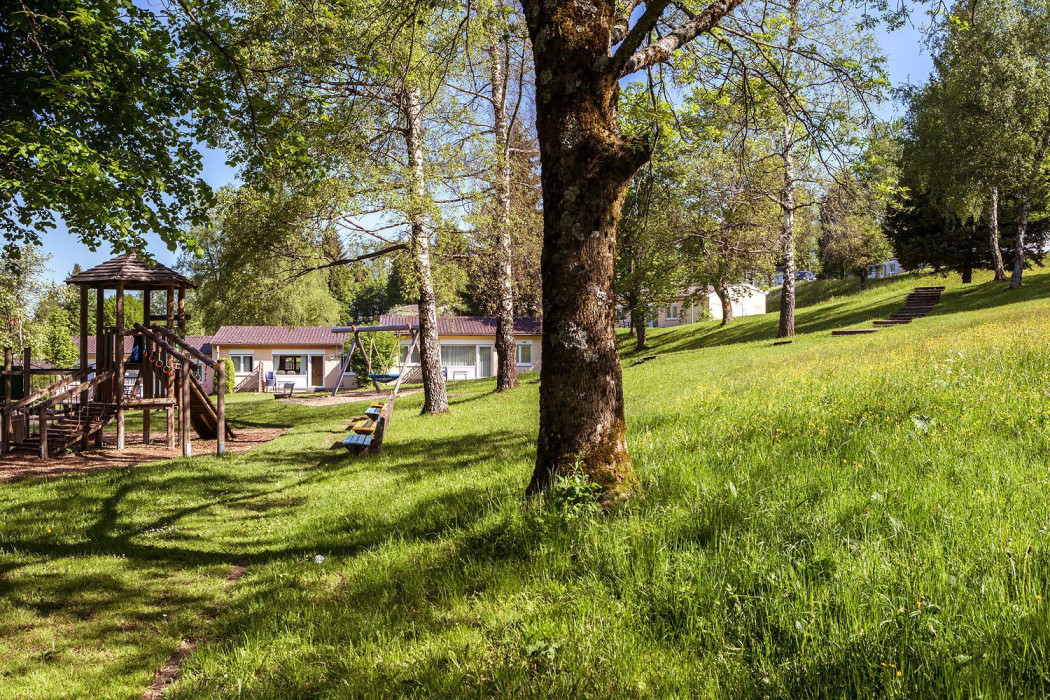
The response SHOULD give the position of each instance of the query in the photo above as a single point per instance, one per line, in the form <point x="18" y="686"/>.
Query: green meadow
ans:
<point x="839" y="517"/>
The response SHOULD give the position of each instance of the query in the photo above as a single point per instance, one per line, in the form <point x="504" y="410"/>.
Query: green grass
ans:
<point x="847" y="517"/>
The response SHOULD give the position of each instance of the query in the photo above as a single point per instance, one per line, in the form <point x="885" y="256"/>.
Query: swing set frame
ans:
<point x="356" y="345"/>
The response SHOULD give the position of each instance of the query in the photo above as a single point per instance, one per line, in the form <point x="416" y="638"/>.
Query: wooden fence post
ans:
<point x="170" y="378"/>
<point x="43" y="431"/>
<point x="184" y="411"/>
<point x="100" y="350"/>
<point x="8" y="364"/>
<point x="220" y="408"/>
<point x="146" y="371"/>
<point x="83" y="361"/>
<point x="27" y="382"/>
<point x="119" y="349"/>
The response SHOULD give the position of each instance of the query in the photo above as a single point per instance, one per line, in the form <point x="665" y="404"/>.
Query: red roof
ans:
<point x="278" y="336"/>
<point x="470" y="325"/>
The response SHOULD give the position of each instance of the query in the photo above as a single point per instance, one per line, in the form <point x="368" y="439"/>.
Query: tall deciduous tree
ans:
<point x="979" y="131"/>
<point x="241" y="270"/>
<point x="95" y="125"/>
<point x="351" y="91"/>
<point x="582" y="49"/>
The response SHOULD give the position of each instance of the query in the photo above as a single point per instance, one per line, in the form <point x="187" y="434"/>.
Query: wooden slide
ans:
<point x="203" y="416"/>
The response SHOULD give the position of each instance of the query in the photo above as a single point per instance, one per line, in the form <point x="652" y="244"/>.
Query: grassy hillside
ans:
<point x="838" y="517"/>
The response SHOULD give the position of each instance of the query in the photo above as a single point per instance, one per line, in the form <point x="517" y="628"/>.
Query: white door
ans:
<point x="485" y="361"/>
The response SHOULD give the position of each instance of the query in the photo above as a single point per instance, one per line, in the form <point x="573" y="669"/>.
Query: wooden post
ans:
<point x="119" y="349"/>
<point x="147" y="369"/>
<point x="8" y="365"/>
<point x="220" y="408"/>
<point x="182" y="312"/>
<point x="43" y="431"/>
<point x="184" y="410"/>
<point x="100" y="303"/>
<point x="27" y="361"/>
<point x="170" y="378"/>
<point x="84" y="362"/>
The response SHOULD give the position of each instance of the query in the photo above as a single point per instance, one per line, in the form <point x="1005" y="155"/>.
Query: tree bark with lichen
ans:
<point x="587" y="166"/>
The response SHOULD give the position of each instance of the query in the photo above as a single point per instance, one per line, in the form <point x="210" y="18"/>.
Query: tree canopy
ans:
<point x="96" y="125"/>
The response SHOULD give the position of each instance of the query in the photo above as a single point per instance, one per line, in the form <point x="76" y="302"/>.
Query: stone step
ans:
<point x="891" y="322"/>
<point x="856" y="331"/>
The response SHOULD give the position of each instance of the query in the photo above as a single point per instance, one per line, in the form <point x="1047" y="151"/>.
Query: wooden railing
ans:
<point x="49" y="404"/>
<point x="39" y="394"/>
<point x="253" y="382"/>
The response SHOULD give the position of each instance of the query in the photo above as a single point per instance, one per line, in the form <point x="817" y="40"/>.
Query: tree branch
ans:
<point x="660" y="51"/>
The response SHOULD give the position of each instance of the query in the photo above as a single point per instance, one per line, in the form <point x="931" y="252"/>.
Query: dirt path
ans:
<point x="19" y="466"/>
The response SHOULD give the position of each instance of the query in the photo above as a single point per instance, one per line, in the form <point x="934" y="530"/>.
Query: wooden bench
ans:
<point x="367" y="431"/>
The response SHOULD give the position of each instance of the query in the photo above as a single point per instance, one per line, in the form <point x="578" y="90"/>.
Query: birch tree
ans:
<point x="350" y="92"/>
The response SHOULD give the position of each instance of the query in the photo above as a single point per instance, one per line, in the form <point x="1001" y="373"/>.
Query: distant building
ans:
<point x="695" y="305"/>
<point x="308" y="357"/>
<point x="886" y="269"/>
<point x="468" y="345"/>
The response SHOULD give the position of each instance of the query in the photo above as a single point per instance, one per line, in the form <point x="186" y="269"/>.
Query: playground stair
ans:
<point x="919" y="303"/>
<point x="68" y="430"/>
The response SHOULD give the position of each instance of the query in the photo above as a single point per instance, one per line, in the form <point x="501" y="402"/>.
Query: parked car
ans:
<point x="805" y="276"/>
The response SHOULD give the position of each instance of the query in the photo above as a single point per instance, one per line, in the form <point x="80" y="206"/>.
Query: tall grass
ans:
<point x="843" y="517"/>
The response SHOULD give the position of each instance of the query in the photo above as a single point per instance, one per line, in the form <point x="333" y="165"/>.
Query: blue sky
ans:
<point x="907" y="62"/>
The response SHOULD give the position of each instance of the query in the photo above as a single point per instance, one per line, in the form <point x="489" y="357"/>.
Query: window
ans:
<point x="415" y="355"/>
<point x="242" y="363"/>
<point x="289" y="364"/>
<point x="458" y="355"/>
<point x="672" y="312"/>
<point x="524" y="353"/>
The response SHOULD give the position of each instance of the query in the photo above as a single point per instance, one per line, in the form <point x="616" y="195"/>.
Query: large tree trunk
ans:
<point x="863" y="278"/>
<point x="967" y="273"/>
<point x="787" y="195"/>
<point x="506" y="352"/>
<point x="587" y="165"/>
<point x="435" y="399"/>
<point x="993" y="235"/>
<point x="727" y="302"/>
<point x="639" y="328"/>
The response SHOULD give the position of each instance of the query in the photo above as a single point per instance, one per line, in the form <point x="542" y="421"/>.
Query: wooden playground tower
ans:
<point x="72" y="411"/>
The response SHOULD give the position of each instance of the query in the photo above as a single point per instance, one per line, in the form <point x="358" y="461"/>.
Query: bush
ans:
<point x="382" y="349"/>
<point x="230" y="379"/>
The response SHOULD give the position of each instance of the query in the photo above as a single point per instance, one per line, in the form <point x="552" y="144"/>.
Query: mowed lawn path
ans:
<point x="839" y="517"/>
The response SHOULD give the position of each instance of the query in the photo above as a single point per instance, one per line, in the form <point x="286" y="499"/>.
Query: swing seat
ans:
<point x="384" y="378"/>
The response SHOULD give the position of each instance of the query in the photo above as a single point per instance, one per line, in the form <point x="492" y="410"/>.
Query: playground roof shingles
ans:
<point x="132" y="272"/>
<point x="470" y="325"/>
<point x="278" y="336"/>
